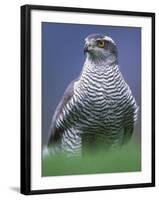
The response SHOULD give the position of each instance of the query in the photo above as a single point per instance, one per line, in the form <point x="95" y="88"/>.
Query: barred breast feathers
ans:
<point x="98" y="103"/>
<point x="97" y="85"/>
<point x="96" y="81"/>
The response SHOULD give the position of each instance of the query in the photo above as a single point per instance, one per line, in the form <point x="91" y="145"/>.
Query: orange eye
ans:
<point x="101" y="43"/>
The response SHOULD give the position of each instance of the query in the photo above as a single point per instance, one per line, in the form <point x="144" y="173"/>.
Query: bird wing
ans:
<point x="55" y="133"/>
<point x="130" y="119"/>
<point x="127" y="134"/>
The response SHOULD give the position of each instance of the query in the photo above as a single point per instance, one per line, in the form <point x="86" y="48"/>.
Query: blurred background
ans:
<point x="63" y="58"/>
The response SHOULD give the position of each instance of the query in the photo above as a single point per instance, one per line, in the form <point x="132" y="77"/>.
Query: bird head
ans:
<point x="100" y="48"/>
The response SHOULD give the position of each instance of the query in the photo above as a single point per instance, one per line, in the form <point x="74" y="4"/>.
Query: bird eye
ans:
<point x="101" y="43"/>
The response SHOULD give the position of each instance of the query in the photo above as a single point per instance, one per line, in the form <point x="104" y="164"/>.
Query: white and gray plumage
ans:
<point x="98" y="107"/>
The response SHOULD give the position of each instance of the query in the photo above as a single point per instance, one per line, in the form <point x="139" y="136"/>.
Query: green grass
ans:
<point x="127" y="159"/>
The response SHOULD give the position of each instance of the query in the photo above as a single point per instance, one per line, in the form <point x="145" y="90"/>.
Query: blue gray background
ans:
<point x="63" y="58"/>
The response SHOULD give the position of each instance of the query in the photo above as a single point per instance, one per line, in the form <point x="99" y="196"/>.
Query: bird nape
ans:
<point x="97" y="110"/>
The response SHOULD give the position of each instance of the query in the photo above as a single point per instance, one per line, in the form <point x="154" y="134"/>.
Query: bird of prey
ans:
<point x="98" y="108"/>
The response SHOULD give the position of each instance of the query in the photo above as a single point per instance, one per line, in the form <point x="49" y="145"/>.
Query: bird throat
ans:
<point x="99" y="66"/>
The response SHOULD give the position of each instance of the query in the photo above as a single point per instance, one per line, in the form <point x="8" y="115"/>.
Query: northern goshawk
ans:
<point x="98" y="108"/>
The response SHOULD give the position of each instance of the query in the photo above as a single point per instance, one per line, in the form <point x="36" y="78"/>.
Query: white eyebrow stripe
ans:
<point x="109" y="39"/>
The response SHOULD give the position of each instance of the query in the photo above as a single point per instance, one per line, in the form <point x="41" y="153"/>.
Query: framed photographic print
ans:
<point x="87" y="99"/>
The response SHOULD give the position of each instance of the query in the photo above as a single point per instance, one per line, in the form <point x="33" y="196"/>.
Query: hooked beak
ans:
<point x="86" y="48"/>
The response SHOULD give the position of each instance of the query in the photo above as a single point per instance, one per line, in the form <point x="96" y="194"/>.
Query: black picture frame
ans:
<point x="26" y="98"/>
